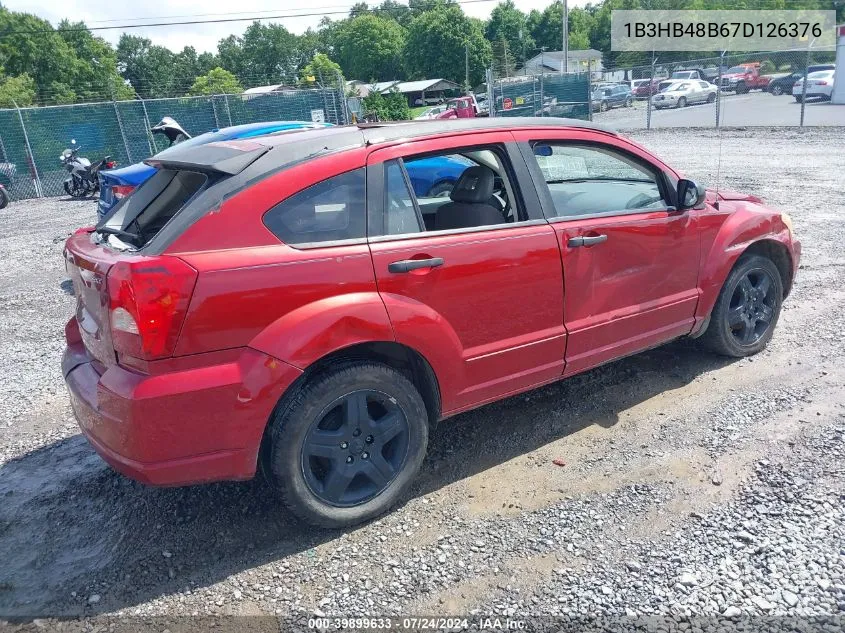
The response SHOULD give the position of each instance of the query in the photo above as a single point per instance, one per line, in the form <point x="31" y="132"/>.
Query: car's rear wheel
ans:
<point x="603" y="106"/>
<point x="629" y="102"/>
<point x="682" y="102"/>
<point x="348" y="445"/>
<point x="747" y="310"/>
<point x="711" y="97"/>
<point x="798" y="99"/>
<point x="776" y="90"/>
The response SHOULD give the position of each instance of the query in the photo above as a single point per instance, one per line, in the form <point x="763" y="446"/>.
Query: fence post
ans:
<point x="491" y="107"/>
<point x="122" y="132"/>
<point x="214" y="110"/>
<point x="590" y="88"/>
<point x="228" y="111"/>
<point x="39" y="191"/>
<point x="719" y="89"/>
<point x="341" y="87"/>
<point x="543" y="96"/>
<point x="804" y="82"/>
<point x="150" y="140"/>
<point x="650" y="91"/>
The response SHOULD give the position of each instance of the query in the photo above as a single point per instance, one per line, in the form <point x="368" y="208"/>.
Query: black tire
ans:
<point x="798" y="99"/>
<point x="711" y="97"/>
<point x="603" y="106"/>
<point x="741" y="88"/>
<point x="629" y="102"/>
<point x="4" y="198"/>
<point x="776" y="90"/>
<point x="441" y="189"/>
<point x="682" y="103"/>
<point x="295" y="475"/>
<point x="724" y="338"/>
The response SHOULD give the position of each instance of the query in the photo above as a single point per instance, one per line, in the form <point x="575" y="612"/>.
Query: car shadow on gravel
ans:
<point x="77" y="538"/>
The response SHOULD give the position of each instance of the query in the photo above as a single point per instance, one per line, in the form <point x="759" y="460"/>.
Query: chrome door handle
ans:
<point x="407" y="265"/>
<point x="586" y="240"/>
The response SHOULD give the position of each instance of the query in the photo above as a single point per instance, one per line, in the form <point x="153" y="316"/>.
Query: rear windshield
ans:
<point x="142" y="215"/>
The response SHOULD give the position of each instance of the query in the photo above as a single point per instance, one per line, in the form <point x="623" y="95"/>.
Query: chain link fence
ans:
<point x="747" y="89"/>
<point x="31" y="139"/>
<point x="546" y="94"/>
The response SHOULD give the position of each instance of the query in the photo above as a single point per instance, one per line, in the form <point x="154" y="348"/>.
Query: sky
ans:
<point x="205" y="37"/>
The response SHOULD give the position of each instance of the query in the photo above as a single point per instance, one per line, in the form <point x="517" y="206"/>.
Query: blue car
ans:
<point x="118" y="183"/>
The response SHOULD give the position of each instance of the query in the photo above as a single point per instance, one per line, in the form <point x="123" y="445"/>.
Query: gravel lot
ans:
<point x="693" y="486"/>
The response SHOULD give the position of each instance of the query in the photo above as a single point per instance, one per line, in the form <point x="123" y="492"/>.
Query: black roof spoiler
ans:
<point x="222" y="157"/>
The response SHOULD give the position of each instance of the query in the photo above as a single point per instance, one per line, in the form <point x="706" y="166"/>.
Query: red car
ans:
<point x="288" y="301"/>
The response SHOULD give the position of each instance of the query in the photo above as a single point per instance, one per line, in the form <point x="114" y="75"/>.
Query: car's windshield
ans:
<point x="737" y="69"/>
<point x="682" y="74"/>
<point x="821" y="74"/>
<point x="677" y="87"/>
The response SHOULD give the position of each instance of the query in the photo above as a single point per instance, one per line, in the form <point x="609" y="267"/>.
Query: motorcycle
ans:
<point x="83" y="180"/>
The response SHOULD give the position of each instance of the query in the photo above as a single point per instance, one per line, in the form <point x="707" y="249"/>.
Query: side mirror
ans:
<point x="542" y="150"/>
<point x="690" y="194"/>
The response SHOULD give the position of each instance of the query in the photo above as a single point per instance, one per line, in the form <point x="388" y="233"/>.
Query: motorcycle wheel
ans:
<point x="4" y="198"/>
<point x="75" y="188"/>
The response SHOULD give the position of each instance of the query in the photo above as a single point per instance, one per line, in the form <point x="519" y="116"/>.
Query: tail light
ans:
<point x="820" y="82"/>
<point x="121" y="191"/>
<point x="148" y="301"/>
<point x="110" y="164"/>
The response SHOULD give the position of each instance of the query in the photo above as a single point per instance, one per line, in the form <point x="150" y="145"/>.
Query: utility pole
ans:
<point x="466" y="60"/>
<point x="565" y="25"/>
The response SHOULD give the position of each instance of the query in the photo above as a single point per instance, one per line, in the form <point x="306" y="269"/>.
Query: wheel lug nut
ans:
<point x="356" y="432"/>
<point x="369" y="439"/>
<point x="365" y="455"/>
<point x="350" y="459"/>
<point x="344" y="445"/>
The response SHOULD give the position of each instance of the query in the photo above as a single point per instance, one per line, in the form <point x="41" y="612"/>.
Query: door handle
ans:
<point x="407" y="265"/>
<point x="586" y="240"/>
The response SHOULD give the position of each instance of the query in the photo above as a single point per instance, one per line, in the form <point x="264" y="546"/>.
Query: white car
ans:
<point x="682" y="93"/>
<point x="431" y="113"/>
<point x="819" y="86"/>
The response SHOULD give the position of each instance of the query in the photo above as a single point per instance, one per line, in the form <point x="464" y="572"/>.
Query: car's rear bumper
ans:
<point x="201" y="423"/>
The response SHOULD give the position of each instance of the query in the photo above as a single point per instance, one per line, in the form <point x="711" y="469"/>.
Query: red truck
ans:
<point x="462" y="108"/>
<point x="740" y="79"/>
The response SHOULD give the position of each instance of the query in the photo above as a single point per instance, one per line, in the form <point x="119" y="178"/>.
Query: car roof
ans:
<point x="285" y="149"/>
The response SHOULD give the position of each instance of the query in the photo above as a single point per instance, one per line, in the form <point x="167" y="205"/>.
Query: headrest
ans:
<point x="474" y="185"/>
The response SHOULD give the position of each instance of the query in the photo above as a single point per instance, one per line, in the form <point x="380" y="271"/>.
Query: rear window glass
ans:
<point x="154" y="204"/>
<point x="331" y="210"/>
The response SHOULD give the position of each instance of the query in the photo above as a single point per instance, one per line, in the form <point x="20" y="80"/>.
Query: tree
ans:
<point x="546" y="27"/>
<point x="321" y="70"/>
<point x="390" y="107"/>
<point x="148" y="68"/>
<point x="18" y="90"/>
<point x="270" y="54"/>
<point x="369" y="47"/>
<point x="510" y="25"/>
<point x="216" y="81"/>
<point x="437" y="42"/>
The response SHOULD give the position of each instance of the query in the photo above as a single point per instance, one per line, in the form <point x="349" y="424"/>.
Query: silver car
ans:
<point x="682" y="93"/>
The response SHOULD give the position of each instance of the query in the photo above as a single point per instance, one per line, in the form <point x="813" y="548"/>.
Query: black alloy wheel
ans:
<point x="752" y="307"/>
<point x="743" y="319"/>
<point x="355" y="449"/>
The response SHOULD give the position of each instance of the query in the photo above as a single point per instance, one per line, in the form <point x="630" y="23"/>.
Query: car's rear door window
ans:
<point x="333" y="210"/>
<point x="586" y="180"/>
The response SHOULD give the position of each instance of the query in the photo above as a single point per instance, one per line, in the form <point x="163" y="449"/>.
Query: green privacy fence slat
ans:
<point x="121" y="130"/>
<point x="553" y="95"/>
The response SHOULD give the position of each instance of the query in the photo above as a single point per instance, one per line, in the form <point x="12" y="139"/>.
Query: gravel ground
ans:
<point x="692" y="486"/>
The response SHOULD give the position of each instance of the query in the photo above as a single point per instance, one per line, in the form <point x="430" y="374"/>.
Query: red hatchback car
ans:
<point x="289" y="302"/>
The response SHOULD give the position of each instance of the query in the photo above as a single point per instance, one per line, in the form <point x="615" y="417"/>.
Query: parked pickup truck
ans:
<point x="462" y="108"/>
<point x="681" y="75"/>
<point x="740" y="79"/>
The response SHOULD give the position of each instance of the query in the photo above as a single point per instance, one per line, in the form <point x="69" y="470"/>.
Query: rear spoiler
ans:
<point x="222" y="157"/>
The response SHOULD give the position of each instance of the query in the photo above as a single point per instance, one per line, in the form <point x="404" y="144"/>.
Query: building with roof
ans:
<point x="421" y="92"/>
<point x="588" y="60"/>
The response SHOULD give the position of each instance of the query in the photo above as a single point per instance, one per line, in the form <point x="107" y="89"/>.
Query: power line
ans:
<point x="252" y="18"/>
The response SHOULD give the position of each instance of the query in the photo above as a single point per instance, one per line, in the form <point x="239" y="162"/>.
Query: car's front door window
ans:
<point x="587" y="180"/>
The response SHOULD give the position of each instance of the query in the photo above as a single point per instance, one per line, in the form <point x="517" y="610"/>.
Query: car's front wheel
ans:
<point x="682" y="103"/>
<point x="348" y="444"/>
<point x="743" y="320"/>
<point x="776" y="90"/>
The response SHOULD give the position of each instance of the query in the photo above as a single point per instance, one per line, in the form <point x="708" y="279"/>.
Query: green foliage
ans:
<point x="320" y="71"/>
<point x="390" y="107"/>
<point x="216" y="81"/>
<point x="267" y="54"/>
<point x="18" y="90"/>
<point x="509" y="25"/>
<point x="437" y="41"/>
<point x="766" y="67"/>
<point x="369" y="47"/>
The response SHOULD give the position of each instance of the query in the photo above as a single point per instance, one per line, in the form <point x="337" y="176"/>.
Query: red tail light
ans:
<point x="121" y="191"/>
<point x="148" y="301"/>
<point x="110" y="164"/>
